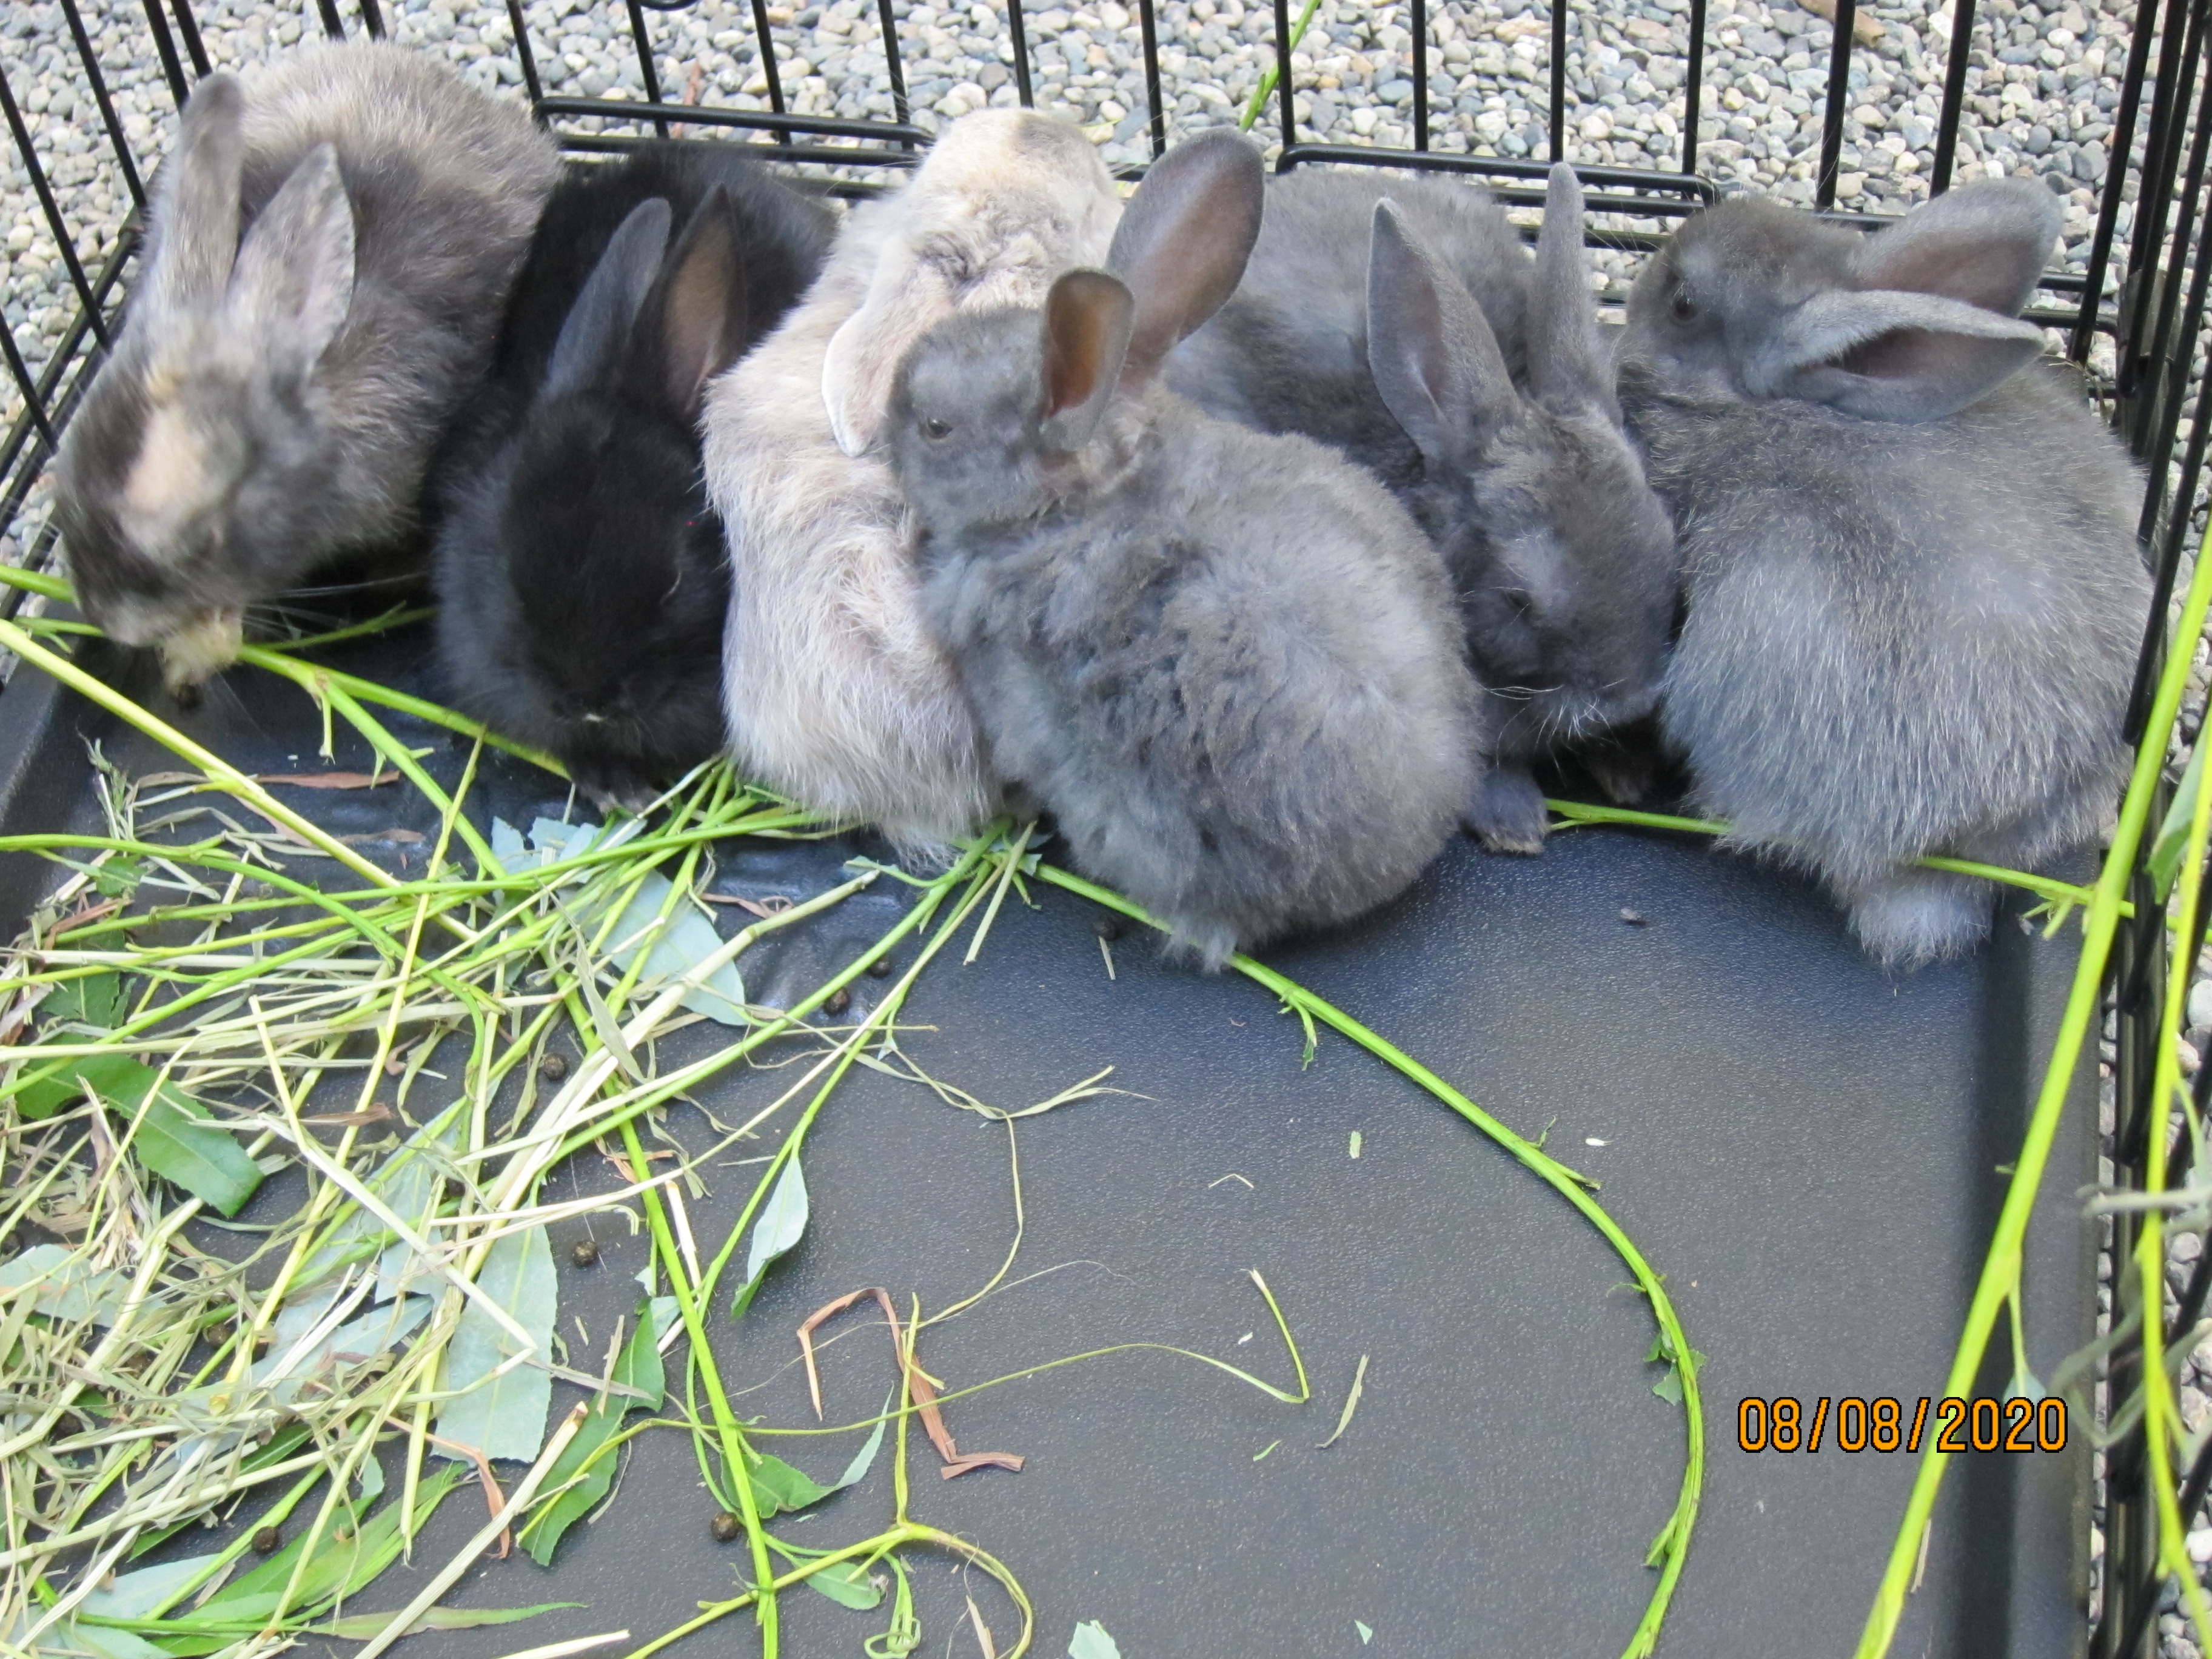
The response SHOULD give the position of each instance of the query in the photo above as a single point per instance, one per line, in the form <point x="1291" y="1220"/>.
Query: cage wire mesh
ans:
<point x="1858" y="110"/>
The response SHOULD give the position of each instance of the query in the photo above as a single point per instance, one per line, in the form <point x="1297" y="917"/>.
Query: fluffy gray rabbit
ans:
<point x="1914" y="589"/>
<point x="837" y="694"/>
<point x="1225" y="661"/>
<point x="329" y="247"/>
<point x="1401" y="321"/>
<point x="1288" y="352"/>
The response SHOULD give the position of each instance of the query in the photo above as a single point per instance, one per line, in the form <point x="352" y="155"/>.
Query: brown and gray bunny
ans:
<point x="1400" y="320"/>
<point x="1225" y="661"/>
<point x="1914" y="589"/>
<point x="329" y="247"/>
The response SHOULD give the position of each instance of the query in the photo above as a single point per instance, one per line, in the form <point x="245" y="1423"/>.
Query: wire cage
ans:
<point x="1496" y="91"/>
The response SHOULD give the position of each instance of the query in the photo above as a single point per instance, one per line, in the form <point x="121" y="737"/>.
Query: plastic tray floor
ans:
<point x="1808" y="1148"/>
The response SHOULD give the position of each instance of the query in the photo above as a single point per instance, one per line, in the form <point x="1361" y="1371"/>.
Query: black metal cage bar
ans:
<point x="2141" y="277"/>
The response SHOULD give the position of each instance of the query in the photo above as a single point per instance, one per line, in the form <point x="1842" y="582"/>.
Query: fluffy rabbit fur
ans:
<point x="1226" y="661"/>
<point x="1288" y="352"/>
<point x="1401" y="321"/>
<point x="1914" y="589"/>
<point x="274" y="396"/>
<point x="836" y="693"/>
<point x="582" y="575"/>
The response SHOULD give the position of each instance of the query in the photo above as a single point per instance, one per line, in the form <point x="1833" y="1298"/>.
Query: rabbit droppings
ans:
<point x="582" y="582"/>
<point x="837" y="694"/>
<point x="330" y="246"/>
<point x="1914" y="588"/>
<point x="1225" y="661"/>
<point x="1400" y="320"/>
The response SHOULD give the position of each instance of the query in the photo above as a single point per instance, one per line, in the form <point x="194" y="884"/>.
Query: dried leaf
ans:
<point x="330" y="780"/>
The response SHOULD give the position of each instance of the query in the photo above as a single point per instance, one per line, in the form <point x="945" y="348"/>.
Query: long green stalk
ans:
<point x="1671" y="1548"/>
<point x="2000" y="1268"/>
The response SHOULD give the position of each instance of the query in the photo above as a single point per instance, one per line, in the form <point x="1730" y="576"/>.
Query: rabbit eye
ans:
<point x="934" y="427"/>
<point x="1683" y="308"/>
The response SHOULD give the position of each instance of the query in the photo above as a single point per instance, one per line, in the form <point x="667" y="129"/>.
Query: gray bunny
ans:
<point x="331" y="247"/>
<point x="1914" y="589"/>
<point x="1403" y="324"/>
<point x="1227" y="662"/>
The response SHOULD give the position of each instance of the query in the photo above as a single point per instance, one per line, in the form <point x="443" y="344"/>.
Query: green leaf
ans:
<point x="359" y="1627"/>
<point x="858" y="1468"/>
<point x="1669" y="1387"/>
<point x="781" y="1222"/>
<point x="119" y="877"/>
<point x="95" y="1000"/>
<point x="175" y="1142"/>
<point x="1091" y="1642"/>
<point x="848" y="1585"/>
<point x="1365" y="1634"/>
<point x="505" y="1417"/>
<point x="2164" y="861"/>
<point x="107" y="1643"/>
<point x="639" y="1367"/>
<point x="349" y="1554"/>
<point x="778" y="1487"/>
<point x="111" y="1075"/>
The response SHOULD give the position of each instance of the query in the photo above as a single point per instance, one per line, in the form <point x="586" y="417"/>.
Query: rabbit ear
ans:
<point x="1430" y="348"/>
<point x="598" y="328"/>
<point x="1569" y="365"/>
<point x="1984" y="243"/>
<point x="1088" y="319"/>
<point x="906" y="296"/>
<point x="1893" y="357"/>
<point x="293" y="282"/>
<point x="1182" y="245"/>
<point x="693" y="324"/>
<point x="198" y="192"/>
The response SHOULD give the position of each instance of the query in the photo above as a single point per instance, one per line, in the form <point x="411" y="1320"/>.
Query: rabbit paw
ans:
<point x="1921" y="916"/>
<point x="1625" y="776"/>
<point x="1508" y="813"/>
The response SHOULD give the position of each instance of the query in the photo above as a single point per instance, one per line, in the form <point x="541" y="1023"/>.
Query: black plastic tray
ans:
<point x="1808" y="1148"/>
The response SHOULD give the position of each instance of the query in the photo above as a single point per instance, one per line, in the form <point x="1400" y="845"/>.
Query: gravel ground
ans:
<point x="2042" y="86"/>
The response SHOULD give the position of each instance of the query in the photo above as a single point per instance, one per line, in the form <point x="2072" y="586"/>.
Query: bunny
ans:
<point x="1914" y="589"/>
<point x="1225" y="661"/>
<point x="1288" y="352"/>
<point x="274" y="395"/>
<point x="837" y="695"/>
<point x="1402" y="323"/>
<point x="581" y="571"/>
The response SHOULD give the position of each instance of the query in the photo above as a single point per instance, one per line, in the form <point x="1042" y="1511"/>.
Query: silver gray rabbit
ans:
<point x="331" y="246"/>
<point x="1914" y="589"/>
<point x="1400" y="320"/>
<point x="1227" y="662"/>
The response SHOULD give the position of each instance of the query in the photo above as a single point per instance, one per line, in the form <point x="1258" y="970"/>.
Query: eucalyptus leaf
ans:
<point x="145" y="1592"/>
<point x="67" y="1287"/>
<point x="106" y="1641"/>
<point x="1091" y="1642"/>
<point x="672" y="951"/>
<point x="504" y="1416"/>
